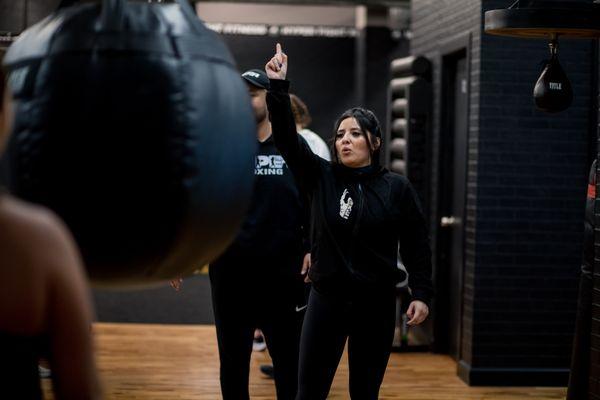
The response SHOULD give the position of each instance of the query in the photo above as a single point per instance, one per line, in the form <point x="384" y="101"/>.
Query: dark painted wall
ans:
<point x="323" y="70"/>
<point x="525" y="196"/>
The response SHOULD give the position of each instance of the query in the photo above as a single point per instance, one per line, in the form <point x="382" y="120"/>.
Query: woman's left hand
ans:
<point x="277" y="66"/>
<point x="417" y="312"/>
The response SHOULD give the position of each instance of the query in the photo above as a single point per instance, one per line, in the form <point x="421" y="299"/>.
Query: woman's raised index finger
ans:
<point x="278" y="48"/>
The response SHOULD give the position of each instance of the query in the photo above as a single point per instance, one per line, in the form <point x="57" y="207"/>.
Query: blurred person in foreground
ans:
<point x="45" y="302"/>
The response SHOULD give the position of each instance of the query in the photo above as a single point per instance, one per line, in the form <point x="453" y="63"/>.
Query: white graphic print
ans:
<point x="269" y="165"/>
<point x="252" y="74"/>
<point x="346" y="204"/>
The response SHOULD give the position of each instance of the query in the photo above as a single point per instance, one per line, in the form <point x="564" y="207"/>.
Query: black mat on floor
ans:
<point x="158" y="305"/>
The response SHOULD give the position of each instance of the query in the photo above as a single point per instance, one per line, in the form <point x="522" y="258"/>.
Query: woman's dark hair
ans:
<point x="368" y="123"/>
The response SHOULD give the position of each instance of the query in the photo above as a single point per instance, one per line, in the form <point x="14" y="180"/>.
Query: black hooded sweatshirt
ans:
<point x="274" y="227"/>
<point x="360" y="217"/>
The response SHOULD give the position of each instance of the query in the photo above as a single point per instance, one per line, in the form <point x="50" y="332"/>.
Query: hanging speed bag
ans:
<point x="132" y="123"/>
<point x="552" y="92"/>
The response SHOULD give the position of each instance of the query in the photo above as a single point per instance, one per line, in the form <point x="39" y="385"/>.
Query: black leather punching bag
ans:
<point x="552" y="92"/>
<point x="132" y="123"/>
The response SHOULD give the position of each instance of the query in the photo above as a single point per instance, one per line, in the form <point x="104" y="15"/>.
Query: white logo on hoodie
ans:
<point x="346" y="204"/>
<point x="269" y="165"/>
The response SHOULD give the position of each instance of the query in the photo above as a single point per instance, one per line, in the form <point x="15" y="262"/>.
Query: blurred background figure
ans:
<point x="45" y="305"/>
<point x="303" y="120"/>
<point x="256" y="282"/>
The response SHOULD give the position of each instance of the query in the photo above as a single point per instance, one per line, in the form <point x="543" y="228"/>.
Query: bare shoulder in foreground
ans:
<point x="33" y="233"/>
<point x="37" y="253"/>
<point x="44" y="293"/>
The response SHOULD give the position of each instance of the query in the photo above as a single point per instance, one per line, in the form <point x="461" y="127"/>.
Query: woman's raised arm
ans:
<point x="301" y="160"/>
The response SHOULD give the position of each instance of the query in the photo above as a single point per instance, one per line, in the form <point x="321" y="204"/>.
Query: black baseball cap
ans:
<point x="257" y="78"/>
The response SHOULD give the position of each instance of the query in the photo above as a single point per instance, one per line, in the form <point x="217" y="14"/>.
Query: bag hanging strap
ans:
<point x="190" y="15"/>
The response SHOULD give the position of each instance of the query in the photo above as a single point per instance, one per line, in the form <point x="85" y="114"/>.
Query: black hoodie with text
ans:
<point x="274" y="229"/>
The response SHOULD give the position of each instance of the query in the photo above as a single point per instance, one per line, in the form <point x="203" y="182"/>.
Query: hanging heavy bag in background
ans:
<point x="132" y="123"/>
<point x="552" y="92"/>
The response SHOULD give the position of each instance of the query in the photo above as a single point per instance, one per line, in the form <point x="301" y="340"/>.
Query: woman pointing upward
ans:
<point x="363" y="215"/>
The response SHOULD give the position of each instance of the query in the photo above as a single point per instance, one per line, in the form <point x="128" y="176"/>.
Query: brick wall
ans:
<point x="531" y="190"/>
<point x="434" y="24"/>
<point x="525" y="197"/>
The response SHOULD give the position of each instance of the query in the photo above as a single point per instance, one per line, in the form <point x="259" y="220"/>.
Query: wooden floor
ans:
<point x="181" y="362"/>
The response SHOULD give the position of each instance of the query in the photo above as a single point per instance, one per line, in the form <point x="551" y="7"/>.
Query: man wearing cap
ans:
<point x="257" y="282"/>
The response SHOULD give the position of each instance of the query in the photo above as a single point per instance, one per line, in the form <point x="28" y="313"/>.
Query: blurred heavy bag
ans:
<point x="552" y="92"/>
<point x="132" y="124"/>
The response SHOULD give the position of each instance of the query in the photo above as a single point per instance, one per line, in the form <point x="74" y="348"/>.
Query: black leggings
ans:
<point x="242" y="301"/>
<point x="367" y="320"/>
